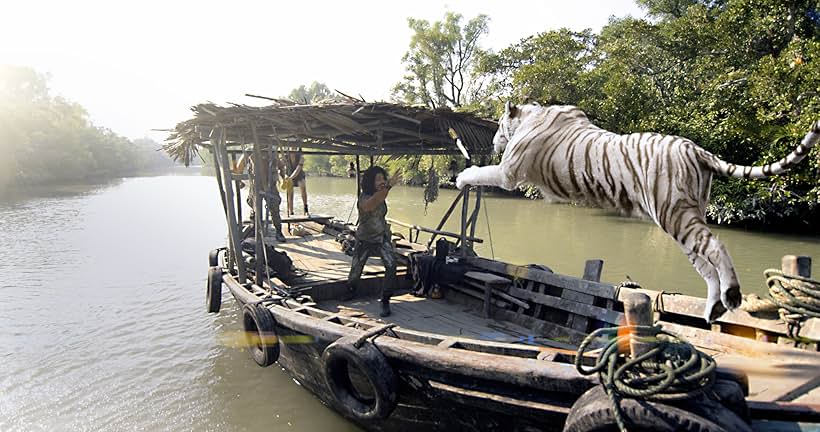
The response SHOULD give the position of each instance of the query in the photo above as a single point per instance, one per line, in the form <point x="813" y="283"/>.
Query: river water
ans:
<point x="102" y="315"/>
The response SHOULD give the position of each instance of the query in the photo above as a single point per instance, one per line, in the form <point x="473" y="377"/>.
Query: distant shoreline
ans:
<point x="73" y="185"/>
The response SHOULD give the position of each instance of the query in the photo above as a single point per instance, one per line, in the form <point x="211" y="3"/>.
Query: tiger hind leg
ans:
<point x="714" y="308"/>
<point x="730" y="294"/>
<point x="701" y="242"/>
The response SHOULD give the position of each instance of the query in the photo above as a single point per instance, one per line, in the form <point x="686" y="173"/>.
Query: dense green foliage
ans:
<point x="47" y="140"/>
<point x="440" y="62"/>
<point x="741" y="78"/>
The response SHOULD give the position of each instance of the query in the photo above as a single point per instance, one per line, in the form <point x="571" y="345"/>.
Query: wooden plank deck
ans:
<point x="321" y="257"/>
<point x="440" y="316"/>
<point x="773" y="376"/>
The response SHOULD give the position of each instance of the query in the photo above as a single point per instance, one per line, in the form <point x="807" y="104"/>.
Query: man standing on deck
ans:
<point x="268" y="190"/>
<point x="373" y="233"/>
<point x="294" y="163"/>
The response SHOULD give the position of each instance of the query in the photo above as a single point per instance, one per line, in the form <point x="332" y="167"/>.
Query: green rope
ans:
<point x="671" y="370"/>
<point x="797" y="298"/>
<point x="796" y="294"/>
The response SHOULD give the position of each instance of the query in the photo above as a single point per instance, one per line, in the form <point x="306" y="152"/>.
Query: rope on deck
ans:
<point x="671" y="370"/>
<point x="795" y="298"/>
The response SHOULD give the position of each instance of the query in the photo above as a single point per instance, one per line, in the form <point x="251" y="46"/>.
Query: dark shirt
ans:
<point x="293" y="160"/>
<point x="372" y="225"/>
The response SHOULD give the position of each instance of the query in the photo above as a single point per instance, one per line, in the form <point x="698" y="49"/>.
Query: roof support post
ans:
<point x="358" y="178"/>
<point x="233" y="227"/>
<point x="273" y="199"/>
<point x="474" y="216"/>
<point x="446" y="217"/>
<point x="465" y="205"/>
<point x="260" y="174"/>
<point x="237" y="184"/>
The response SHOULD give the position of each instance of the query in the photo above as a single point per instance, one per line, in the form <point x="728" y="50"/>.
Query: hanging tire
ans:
<point x="592" y="412"/>
<point x="213" y="292"/>
<point x="213" y="257"/>
<point x="380" y="400"/>
<point x="260" y="331"/>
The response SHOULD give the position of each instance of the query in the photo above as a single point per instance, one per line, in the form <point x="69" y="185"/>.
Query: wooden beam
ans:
<point x="587" y="310"/>
<point x="222" y="196"/>
<point x="596" y="289"/>
<point x="474" y="215"/>
<point x="233" y="227"/>
<point x="446" y="216"/>
<point x="260" y="172"/>
<point x="432" y="231"/>
<point x="464" y="207"/>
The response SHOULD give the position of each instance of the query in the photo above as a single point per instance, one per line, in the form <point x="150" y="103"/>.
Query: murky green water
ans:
<point x="564" y="236"/>
<point x="102" y="316"/>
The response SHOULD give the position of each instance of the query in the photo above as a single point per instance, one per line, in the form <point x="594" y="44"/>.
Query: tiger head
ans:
<point x="507" y="125"/>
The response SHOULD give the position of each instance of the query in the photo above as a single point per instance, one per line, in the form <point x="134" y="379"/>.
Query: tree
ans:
<point x="738" y="77"/>
<point x="440" y="62"/>
<point x="46" y="139"/>
<point x="547" y="67"/>
<point x="316" y="92"/>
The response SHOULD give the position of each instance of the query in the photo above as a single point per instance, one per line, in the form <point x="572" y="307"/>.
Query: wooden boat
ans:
<point x="498" y="351"/>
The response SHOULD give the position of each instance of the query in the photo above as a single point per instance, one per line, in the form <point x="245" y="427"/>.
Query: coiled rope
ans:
<point x="795" y="298"/>
<point x="671" y="370"/>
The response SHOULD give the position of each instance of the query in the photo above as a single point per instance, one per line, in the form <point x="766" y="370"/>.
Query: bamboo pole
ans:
<point x="222" y="197"/>
<point x="446" y="216"/>
<point x="358" y="179"/>
<point x="474" y="215"/>
<point x="274" y="200"/>
<point x="432" y="231"/>
<point x="259" y="173"/>
<point x="465" y="205"/>
<point x="233" y="228"/>
<point x="237" y="184"/>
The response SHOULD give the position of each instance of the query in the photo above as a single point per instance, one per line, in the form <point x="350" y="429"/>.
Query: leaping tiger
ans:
<point x="666" y="178"/>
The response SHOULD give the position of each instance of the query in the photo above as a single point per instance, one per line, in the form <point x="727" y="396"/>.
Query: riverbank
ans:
<point x="78" y="185"/>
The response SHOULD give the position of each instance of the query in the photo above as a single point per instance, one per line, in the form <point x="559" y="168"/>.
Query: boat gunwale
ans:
<point x="533" y="373"/>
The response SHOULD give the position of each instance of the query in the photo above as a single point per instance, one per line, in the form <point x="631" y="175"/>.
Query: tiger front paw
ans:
<point x="465" y="177"/>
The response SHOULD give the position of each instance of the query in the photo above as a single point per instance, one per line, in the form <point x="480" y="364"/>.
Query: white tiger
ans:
<point x="666" y="178"/>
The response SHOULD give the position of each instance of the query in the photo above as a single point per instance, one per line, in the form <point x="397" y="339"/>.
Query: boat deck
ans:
<point x="320" y="256"/>
<point x="789" y="377"/>
<point x="441" y="316"/>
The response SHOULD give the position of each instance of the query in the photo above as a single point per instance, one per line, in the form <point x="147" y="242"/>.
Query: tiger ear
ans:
<point x="510" y="109"/>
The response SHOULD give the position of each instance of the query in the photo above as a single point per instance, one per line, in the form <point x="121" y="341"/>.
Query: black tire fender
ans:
<point x="213" y="292"/>
<point x="213" y="257"/>
<point x="260" y="333"/>
<point x="592" y="412"/>
<point x="372" y="364"/>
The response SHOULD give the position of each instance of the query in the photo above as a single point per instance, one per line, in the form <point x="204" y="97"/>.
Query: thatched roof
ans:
<point x="347" y="127"/>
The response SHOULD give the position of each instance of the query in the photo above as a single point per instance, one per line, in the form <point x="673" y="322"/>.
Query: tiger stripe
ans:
<point x="665" y="178"/>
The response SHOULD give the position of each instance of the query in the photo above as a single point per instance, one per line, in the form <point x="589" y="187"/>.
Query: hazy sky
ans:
<point x="138" y="65"/>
